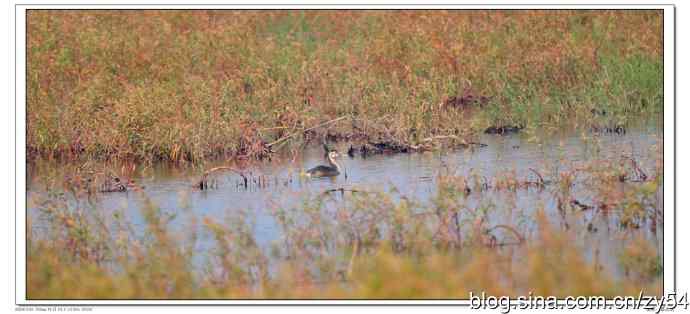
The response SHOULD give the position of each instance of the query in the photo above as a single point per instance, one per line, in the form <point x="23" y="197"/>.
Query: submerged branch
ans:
<point x="203" y="182"/>
<point x="343" y="190"/>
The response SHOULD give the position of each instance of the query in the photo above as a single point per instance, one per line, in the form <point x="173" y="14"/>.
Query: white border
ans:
<point x="20" y="118"/>
<point x="20" y="63"/>
<point x="669" y="213"/>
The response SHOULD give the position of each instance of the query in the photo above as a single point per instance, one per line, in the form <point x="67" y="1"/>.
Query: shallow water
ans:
<point x="412" y="175"/>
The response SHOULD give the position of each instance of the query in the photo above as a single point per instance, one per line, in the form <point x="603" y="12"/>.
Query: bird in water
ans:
<point x="332" y="170"/>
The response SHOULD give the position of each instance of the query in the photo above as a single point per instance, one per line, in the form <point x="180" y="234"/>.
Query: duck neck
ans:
<point x="333" y="163"/>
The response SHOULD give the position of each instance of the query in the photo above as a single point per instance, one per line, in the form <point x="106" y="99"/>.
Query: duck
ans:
<point x="332" y="170"/>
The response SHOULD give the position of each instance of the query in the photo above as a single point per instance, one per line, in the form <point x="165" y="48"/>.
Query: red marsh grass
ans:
<point x="148" y="85"/>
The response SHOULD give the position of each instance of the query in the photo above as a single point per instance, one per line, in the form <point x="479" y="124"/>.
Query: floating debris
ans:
<point x="114" y="185"/>
<point x="616" y="129"/>
<point x="394" y="146"/>
<point x="502" y="130"/>
<point x="90" y="181"/>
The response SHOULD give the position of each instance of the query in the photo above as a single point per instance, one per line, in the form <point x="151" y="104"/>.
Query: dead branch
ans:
<point x="541" y="179"/>
<point x="280" y="140"/>
<point x="512" y="230"/>
<point x="582" y="206"/>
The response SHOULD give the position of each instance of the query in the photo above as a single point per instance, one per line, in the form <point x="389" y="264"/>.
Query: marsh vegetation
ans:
<point x="186" y="86"/>
<point x="492" y="151"/>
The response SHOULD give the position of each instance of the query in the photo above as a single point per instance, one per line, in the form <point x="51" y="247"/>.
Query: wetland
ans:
<point x="167" y="151"/>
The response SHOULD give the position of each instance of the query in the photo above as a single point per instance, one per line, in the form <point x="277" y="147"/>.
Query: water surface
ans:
<point x="413" y="176"/>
